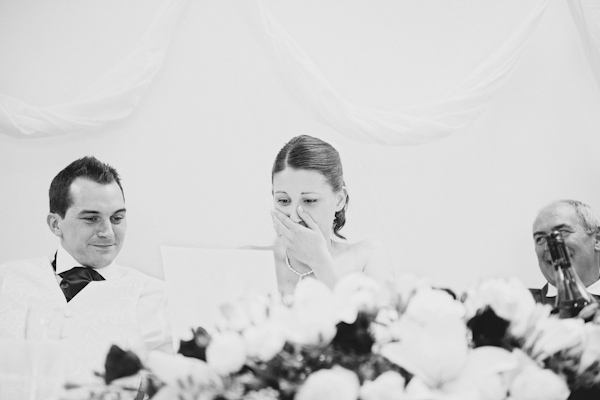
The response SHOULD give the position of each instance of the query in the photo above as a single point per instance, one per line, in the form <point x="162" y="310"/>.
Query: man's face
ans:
<point x="93" y="229"/>
<point x="583" y="247"/>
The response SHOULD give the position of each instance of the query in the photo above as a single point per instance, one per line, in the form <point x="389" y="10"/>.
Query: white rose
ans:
<point x="408" y="284"/>
<point x="234" y="316"/>
<point x="226" y="353"/>
<point x="419" y="390"/>
<point x="258" y="309"/>
<point x="170" y="368"/>
<point x="591" y="346"/>
<point x="486" y="369"/>
<point x="311" y="331"/>
<point x="382" y="328"/>
<point x="330" y="384"/>
<point x="381" y="333"/>
<point x="356" y="292"/>
<point x="264" y="341"/>
<point x="435" y="351"/>
<point x="302" y="327"/>
<point x="311" y="320"/>
<point x="535" y="383"/>
<point x="509" y="298"/>
<point x="430" y="303"/>
<point x="527" y="328"/>
<point x="311" y="296"/>
<point x="387" y="386"/>
<point x="553" y="335"/>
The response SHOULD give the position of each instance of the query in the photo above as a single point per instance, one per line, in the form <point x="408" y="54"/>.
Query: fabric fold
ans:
<point x="402" y="127"/>
<point x="112" y="97"/>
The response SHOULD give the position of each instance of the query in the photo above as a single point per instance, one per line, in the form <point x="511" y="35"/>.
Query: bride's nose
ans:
<point x="294" y="214"/>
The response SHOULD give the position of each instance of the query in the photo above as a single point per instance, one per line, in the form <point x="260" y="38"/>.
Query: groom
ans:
<point x="101" y="302"/>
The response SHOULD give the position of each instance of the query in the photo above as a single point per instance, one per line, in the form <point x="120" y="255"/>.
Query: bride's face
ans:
<point x="309" y="189"/>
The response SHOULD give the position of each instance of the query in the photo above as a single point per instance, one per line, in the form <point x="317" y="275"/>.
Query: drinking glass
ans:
<point x="33" y="368"/>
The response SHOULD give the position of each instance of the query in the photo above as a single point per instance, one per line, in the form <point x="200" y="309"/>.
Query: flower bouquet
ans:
<point x="363" y="341"/>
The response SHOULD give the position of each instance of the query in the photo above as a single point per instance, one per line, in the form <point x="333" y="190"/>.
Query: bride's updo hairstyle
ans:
<point x="307" y="152"/>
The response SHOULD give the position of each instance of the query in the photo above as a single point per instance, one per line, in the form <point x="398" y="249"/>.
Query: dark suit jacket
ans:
<point x="539" y="295"/>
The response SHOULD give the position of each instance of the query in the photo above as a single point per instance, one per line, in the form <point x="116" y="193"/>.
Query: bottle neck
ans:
<point x="568" y="284"/>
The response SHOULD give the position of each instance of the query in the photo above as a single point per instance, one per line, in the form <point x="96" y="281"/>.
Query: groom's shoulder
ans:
<point x="25" y="264"/>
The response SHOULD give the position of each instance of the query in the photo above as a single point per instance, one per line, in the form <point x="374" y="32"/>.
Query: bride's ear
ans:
<point x="341" y="197"/>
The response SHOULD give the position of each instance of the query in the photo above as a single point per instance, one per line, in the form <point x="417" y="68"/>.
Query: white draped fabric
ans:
<point x="408" y="126"/>
<point x="116" y="94"/>
<point x="112" y="97"/>
<point x="586" y="14"/>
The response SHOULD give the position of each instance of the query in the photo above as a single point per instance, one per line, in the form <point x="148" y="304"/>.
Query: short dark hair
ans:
<point x="88" y="167"/>
<point x="307" y="152"/>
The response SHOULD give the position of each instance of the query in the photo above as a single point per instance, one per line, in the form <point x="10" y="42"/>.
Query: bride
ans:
<point x="310" y="202"/>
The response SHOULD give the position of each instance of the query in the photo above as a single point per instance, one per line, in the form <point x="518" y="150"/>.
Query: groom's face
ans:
<point x="93" y="228"/>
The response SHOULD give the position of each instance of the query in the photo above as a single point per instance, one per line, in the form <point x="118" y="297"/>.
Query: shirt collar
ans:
<point x="65" y="262"/>
<point x="594" y="289"/>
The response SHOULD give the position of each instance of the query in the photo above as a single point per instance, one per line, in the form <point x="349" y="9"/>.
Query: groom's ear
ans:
<point x="53" y="220"/>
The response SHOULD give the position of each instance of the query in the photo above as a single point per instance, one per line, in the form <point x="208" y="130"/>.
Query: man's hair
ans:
<point x="589" y="219"/>
<point x="87" y="167"/>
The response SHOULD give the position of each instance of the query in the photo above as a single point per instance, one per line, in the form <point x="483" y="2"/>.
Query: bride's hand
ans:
<point x="305" y="244"/>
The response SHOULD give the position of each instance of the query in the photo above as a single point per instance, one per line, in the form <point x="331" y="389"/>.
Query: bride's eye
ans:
<point x="283" y="201"/>
<point x="310" y="201"/>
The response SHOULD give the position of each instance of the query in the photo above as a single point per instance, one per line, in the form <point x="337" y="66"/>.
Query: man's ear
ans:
<point x="597" y="239"/>
<point x="342" y="197"/>
<point x="53" y="220"/>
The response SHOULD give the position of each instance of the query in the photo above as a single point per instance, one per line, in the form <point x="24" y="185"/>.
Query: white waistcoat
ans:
<point x="103" y="313"/>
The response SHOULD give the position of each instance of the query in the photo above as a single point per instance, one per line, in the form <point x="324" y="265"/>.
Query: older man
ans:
<point x="580" y="228"/>
<point x="99" y="301"/>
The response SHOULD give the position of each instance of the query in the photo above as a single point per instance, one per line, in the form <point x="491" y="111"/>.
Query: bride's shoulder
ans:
<point x="366" y="247"/>
<point x="363" y="252"/>
<point x="375" y="259"/>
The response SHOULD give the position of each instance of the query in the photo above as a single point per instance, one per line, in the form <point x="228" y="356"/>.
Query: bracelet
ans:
<point x="300" y="275"/>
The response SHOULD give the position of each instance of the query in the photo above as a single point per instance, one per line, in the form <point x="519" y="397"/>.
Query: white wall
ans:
<point x="196" y="155"/>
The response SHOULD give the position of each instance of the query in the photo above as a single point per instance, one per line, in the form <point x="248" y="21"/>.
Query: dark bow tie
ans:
<point x="75" y="279"/>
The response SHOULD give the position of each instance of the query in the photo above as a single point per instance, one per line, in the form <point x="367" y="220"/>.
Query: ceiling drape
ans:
<point x="117" y="93"/>
<point x="112" y="97"/>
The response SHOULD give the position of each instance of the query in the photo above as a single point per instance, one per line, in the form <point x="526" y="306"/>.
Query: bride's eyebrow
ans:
<point x="310" y="193"/>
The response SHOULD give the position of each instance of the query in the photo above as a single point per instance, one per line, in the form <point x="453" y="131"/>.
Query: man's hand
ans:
<point x="590" y="313"/>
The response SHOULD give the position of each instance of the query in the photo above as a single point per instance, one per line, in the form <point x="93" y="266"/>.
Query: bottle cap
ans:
<point x="557" y="248"/>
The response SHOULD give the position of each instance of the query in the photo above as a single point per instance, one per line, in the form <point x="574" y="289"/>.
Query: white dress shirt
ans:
<point x="128" y="308"/>
<point x="594" y="289"/>
<point x="151" y="307"/>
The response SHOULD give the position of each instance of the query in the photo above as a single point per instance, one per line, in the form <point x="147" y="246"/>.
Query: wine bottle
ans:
<point x="572" y="295"/>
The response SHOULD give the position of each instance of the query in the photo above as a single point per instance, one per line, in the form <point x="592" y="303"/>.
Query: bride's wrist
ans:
<point x="321" y="260"/>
